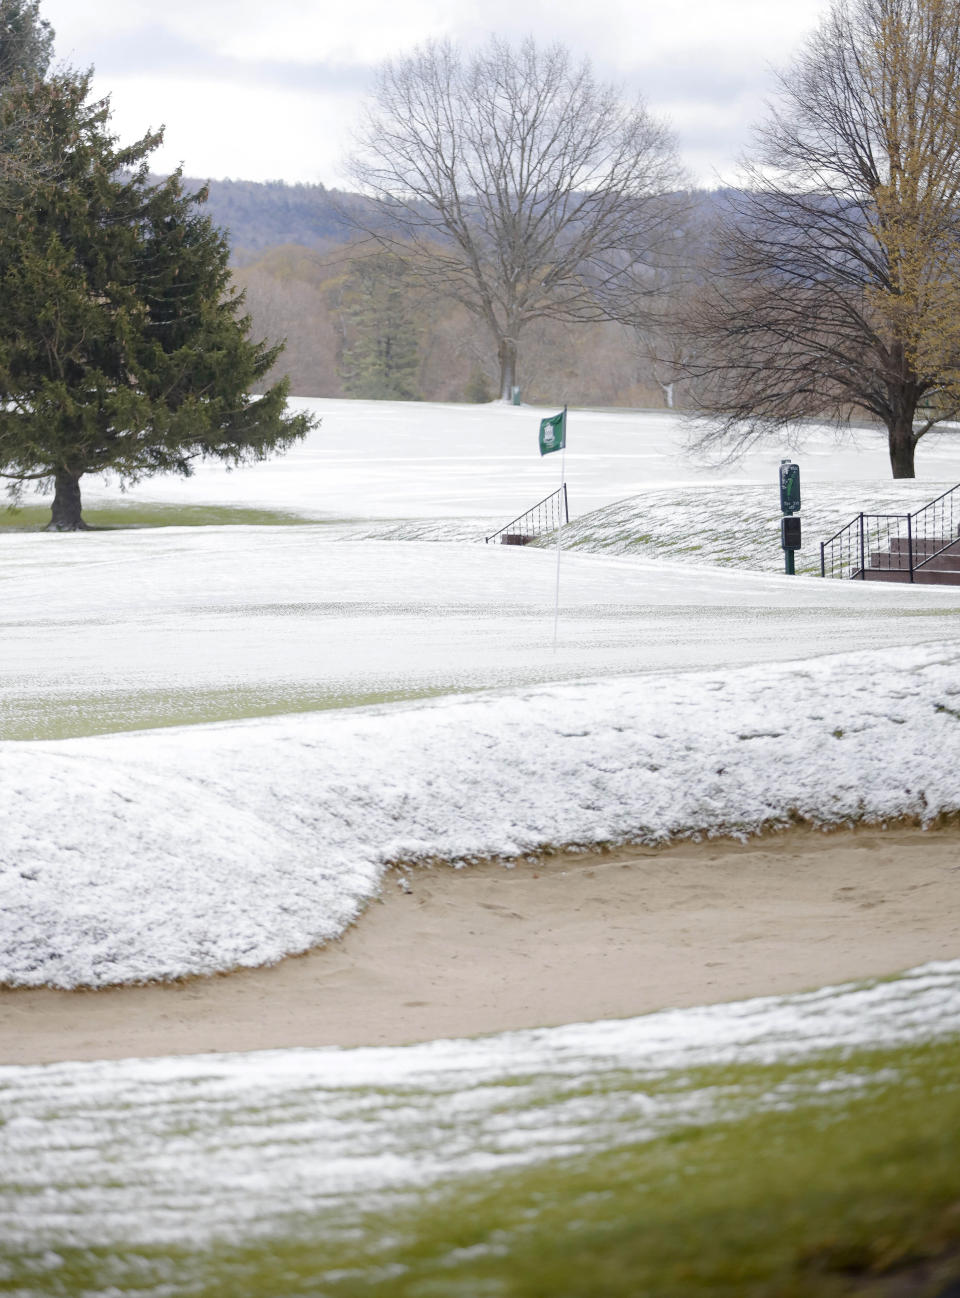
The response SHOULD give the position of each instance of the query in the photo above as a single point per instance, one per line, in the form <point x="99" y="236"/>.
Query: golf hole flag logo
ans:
<point x="553" y="433"/>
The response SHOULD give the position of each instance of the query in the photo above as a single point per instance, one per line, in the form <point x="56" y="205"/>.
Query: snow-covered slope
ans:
<point x="159" y="854"/>
<point x="738" y="525"/>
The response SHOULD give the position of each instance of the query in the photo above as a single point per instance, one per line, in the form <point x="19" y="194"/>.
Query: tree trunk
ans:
<point x="507" y="353"/>
<point x="902" y="446"/>
<point x="65" y="514"/>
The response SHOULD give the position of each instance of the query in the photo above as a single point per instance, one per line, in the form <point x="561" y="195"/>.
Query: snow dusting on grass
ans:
<point x="739" y="524"/>
<point x="156" y="855"/>
<point x="681" y="700"/>
<point x="121" y="631"/>
<point x="227" y="1147"/>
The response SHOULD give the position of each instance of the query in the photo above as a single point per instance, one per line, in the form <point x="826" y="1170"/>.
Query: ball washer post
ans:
<point x="790" y="531"/>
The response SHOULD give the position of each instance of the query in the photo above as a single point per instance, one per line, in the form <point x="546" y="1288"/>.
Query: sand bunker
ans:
<point x="459" y="952"/>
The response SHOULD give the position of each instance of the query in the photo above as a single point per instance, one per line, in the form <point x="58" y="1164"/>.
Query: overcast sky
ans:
<point x="269" y="91"/>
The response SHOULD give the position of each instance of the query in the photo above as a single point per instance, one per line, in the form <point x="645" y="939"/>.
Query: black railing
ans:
<point x="936" y="526"/>
<point x="545" y="516"/>
<point x="901" y="543"/>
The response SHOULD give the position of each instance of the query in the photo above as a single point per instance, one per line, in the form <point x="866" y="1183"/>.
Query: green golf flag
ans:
<point x="553" y="433"/>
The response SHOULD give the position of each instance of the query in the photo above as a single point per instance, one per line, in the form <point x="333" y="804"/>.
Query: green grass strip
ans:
<point x="850" y="1188"/>
<point x="106" y="518"/>
<point x="46" y="717"/>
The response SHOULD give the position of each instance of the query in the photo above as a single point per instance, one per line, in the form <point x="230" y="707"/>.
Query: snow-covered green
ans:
<point x="738" y="526"/>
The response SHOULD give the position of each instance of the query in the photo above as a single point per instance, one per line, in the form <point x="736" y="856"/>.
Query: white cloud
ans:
<point x="219" y="129"/>
<point x="270" y="91"/>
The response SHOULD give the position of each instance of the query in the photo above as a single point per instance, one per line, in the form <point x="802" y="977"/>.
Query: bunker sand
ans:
<point x="576" y="937"/>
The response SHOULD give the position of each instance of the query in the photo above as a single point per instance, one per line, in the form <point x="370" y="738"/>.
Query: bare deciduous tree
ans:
<point x="515" y="183"/>
<point x="835" y="290"/>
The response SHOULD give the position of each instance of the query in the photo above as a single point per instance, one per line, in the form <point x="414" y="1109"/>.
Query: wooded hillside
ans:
<point x="356" y="327"/>
<point x="261" y="216"/>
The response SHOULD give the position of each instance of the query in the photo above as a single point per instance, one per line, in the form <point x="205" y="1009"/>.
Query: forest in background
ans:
<point x="358" y="324"/>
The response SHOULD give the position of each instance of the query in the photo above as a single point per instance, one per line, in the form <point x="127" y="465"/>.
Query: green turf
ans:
<point x="829" y="1199"/>
<point x="47" y="717"/>
<point x="32" y="518"/>
<point x="840" y="1182"/>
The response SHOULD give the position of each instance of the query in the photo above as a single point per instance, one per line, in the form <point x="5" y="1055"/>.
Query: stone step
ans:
<point x="881" y="574"/>
<point x="925" y="545"/>
<point x="921" y="576"/>
<point x="889" y="562"/>
<point x="946" y="561"/>
<point x="936" y="576"/>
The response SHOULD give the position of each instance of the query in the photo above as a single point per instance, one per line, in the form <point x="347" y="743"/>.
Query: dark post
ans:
<point x="863" y="557"/>
<point x="789" y="505"/>
<point x="790" y="540"/>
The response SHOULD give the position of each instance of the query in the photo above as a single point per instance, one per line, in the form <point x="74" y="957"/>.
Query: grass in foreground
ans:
<point x="34" y="518"/>
<point x="855" y="1191"/>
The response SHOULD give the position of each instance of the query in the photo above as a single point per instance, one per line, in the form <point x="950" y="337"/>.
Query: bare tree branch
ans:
<point x="516" y="184"/>
<point x="838" y="263"/>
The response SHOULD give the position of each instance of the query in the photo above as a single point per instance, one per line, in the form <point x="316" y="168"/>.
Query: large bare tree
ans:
<point x="514" y="182"/>
<point x="834" y="290"/>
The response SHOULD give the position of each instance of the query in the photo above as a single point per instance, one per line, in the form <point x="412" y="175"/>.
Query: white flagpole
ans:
<point x="556" y="600"/>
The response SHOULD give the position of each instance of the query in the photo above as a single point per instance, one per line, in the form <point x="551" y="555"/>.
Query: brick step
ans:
<point x="949" y="561"/>
<point x="926" y="545"/>
<point x="922" y="576"/>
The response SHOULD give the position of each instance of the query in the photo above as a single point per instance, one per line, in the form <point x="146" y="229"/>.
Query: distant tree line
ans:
<point x="272" y="214"/>
<point x="358" y="325"/>
<point x="518" y="225"/>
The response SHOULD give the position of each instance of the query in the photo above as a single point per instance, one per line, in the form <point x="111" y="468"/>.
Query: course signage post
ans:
<point x="790" y="536"/>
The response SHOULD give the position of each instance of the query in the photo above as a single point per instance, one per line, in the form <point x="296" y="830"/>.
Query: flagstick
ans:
<point x="556" y="601"/>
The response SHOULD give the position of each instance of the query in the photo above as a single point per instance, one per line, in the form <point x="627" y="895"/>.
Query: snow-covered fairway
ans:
<point x="417" y="461"/>
<point x="166" y="627"/>
<point x="178" y="625"/>
<point x="121" y="630"/>
<point x="398" y="699"/>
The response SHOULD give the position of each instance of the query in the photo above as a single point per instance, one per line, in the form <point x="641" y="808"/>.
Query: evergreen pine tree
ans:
<point x="26" y="44"/>
<point x="381" y="354"/>
<point x="122" y="346"/>
<point x="26" y="41"/>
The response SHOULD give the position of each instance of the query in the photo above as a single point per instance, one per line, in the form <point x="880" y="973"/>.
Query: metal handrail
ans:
<point x="940" y="524"/>
<point x="937" y="521"/>
<point x="853" y="523"/>
<point x="534" y="513"/>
